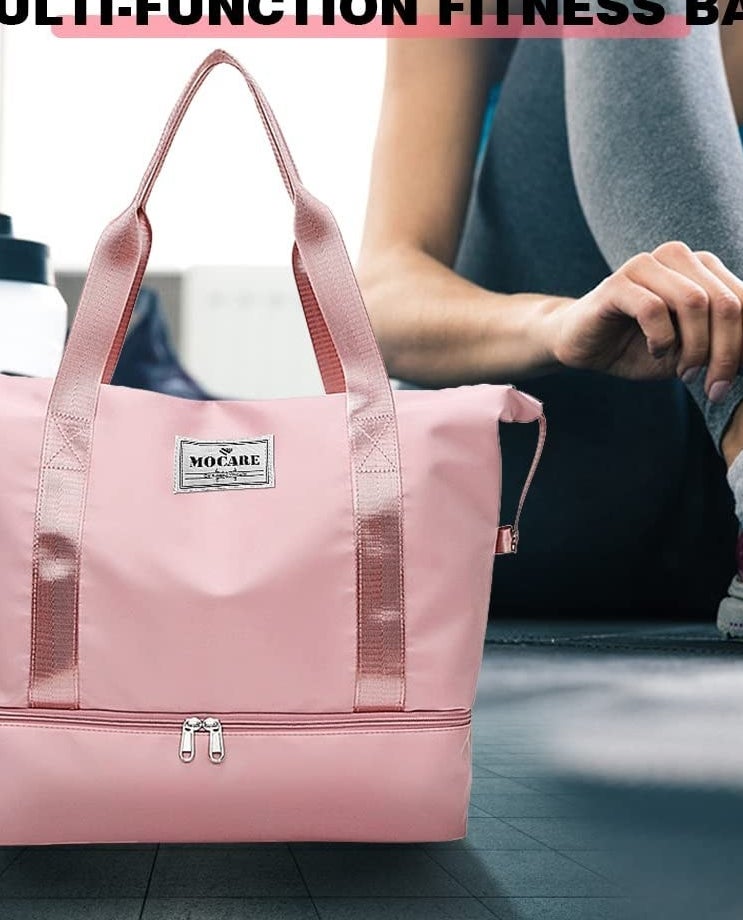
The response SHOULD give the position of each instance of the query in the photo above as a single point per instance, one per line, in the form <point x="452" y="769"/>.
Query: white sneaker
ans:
<point x="730" y="611"/>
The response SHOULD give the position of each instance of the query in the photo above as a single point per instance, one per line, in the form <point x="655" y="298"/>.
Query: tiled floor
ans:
<point x="607" y="773"/>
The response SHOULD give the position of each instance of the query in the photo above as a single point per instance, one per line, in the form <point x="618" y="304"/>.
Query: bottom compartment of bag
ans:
<point x="110" y="777"/>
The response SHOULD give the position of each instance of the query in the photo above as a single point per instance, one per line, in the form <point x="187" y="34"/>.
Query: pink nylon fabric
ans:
<point x="339" y="612"/>
<point x="111" y="288"/>
<point x="204" y="603"/>
<point x="271" y="787"/>
<point x="246" y="600"/>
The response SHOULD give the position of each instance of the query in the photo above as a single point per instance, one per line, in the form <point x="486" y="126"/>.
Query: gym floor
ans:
<point x="608" y="786"/>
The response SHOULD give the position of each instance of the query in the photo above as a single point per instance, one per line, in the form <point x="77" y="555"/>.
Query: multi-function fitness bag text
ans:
<point x="242" y="621"/>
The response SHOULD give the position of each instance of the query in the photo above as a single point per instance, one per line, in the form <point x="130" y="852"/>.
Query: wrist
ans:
<point x="544" y="328"/>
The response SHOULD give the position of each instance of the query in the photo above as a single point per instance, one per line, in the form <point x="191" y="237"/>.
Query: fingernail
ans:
<point x="690" y="374"/>
<point x="719" y="390"/>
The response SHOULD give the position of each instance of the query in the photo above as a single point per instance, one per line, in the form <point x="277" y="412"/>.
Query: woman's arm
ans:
<point x="653" y="318"/>
<point x="433" y="326"/>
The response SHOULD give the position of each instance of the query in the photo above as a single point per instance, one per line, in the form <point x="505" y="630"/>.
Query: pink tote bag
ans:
<point x="242" y="621"/>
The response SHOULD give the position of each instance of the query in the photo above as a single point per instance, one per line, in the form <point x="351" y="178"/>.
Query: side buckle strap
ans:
<point x="507" y="536"/>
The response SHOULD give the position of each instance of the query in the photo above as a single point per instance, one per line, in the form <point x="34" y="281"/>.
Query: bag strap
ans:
<point x="325" y="352"/>
<point x="350" y="361"/>
<point x="331" y="370"/>
<point x="507" y="536"/>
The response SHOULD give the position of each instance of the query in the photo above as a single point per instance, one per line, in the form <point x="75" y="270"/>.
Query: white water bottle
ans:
<point x="33" y="315"/>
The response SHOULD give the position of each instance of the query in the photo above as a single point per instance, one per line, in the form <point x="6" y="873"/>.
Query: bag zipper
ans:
<point x="194" y="724"/>
<point x="216" y="728"/>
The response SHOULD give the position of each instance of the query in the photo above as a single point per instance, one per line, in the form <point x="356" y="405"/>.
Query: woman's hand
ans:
<point x="660" y="315"/>
<point x="665" y="314"/>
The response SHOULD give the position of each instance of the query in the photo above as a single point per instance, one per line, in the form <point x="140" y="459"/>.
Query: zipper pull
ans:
<point x="216" y="739"/>
<point x="188" y="738"/>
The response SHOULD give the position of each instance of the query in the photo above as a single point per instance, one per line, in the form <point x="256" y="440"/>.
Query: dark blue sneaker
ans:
<point x="148" y="360"/>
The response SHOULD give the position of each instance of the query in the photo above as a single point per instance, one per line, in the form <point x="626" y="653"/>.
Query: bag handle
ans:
<point x="326" y="355"/>
<point x="350" y="361"/>
<point x="507" y="535"/>
<point x="130" y="235"/>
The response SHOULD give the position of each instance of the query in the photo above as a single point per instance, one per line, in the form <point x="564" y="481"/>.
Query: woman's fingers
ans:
<point x="717" y="303"/>
<point x="687" y="300"/>
<point x="648" y="308"/>
<point x="688" y="307"/>
<point x="705" y="305"/>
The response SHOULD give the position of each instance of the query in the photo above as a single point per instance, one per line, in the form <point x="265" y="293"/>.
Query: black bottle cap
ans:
<point x="22" y="260"/>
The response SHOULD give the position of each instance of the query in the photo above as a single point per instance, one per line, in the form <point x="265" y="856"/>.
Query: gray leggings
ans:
<point x="599" y="150"/>
<point x="657" y="155"/>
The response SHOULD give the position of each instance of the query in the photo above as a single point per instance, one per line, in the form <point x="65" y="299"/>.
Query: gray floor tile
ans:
<point x="384" y="874"/>
<point x="611" y="865"/>
<point x="479" y="771"/>
<point x="265" y="847"/>
<point x="550" y="785"/>
<point x="568" y="833"/>
<point x="66" y="873"/>
<point x="517" y="769"/>
<point x="402" y="909"/>
<point x="88" y="847"/>
<point x="558" y="908"/>
<point x="490" y="834"/>
<point x="528" y="804"/>
<point x="71" y="909"/>
<point x="528" y="873"/>
<point x="482" y="743"/>
<point x="484" y="753"/>
<point x="497" y="785"/>
<point x="229" y="909"/>
<point x="363" y="847"/>
<point x="225" y="872"/>
<point x="7" y="855"/>
<point x="474" y="812"/>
